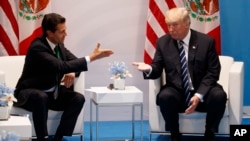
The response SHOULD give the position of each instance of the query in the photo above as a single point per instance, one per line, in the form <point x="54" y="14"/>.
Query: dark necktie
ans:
<point x="57" y="51"/>
<point x="184" y="72"/>
<point x="58" y="55"/>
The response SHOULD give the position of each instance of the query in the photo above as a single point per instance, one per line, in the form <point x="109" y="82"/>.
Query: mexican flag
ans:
<point x="205" y="17"/>
<point x="30" y="16"/>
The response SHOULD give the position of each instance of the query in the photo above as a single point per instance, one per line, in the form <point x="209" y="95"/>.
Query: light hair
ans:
<point x="177" y="14"/>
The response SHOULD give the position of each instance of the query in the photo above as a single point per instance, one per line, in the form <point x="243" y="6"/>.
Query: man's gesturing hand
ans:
<point x="100" y="53"/>
<point x="142" y="66"/>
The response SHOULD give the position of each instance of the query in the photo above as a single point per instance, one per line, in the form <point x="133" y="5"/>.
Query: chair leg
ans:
<point x="81" y="137"/>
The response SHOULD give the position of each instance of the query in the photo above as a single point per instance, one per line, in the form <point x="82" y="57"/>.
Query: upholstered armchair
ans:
<point x="231" y="78"/>
<point x="10" y="71"/>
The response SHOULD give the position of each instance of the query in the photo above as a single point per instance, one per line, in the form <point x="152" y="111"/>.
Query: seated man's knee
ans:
<point x="167" y="96"/>
<point x="40" y="98"/>
<point x="79" y="98"/>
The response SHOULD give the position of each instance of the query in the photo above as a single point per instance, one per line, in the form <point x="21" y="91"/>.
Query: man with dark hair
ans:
<point x="48" y="65"/>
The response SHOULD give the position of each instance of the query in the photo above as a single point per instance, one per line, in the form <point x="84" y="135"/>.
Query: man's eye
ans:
<point x="173" y="25"/>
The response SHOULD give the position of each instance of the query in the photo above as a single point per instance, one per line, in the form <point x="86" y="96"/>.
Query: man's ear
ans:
<point x="187" y="24"/>
<point x="49" y="33"/>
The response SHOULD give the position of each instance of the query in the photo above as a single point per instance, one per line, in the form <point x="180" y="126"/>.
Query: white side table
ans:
<point x="102" y="96"/>
<point x="19" y="125"/>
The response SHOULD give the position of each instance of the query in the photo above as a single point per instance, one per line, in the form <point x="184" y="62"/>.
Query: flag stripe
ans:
<point x="170" y="3"/>
<point x="9" y="28"/>
<point x="8" y="11"/>
<point x="5" y="40"/>
<point x="150" y="48"/>
<point x="147" y="57"/>
<point x="151" y="35"/>
<point x="155" y="27"/>
<point x="159" y="16"/>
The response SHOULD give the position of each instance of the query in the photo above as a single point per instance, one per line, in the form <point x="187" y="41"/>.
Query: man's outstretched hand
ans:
<point x="142" y="66"/>
<point x="100" y="53"/>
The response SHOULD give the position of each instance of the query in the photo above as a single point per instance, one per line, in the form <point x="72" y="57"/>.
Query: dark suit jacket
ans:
<point x="203" y="62"/>
<point x="42" y="66"/>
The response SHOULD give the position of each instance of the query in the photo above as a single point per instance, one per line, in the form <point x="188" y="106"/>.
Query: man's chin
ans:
<point x="174" y="37"/>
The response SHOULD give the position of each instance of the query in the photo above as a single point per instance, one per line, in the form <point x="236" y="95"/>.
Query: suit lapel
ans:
<point x="48" y="46"/>
<point x="193" y="46"/>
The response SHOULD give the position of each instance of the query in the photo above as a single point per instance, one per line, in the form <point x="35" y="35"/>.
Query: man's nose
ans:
<point x="170" y="28"/>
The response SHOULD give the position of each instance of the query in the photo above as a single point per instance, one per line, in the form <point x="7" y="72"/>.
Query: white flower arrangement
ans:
<point x="119" y="70"/>
<point x="6" y="96"/>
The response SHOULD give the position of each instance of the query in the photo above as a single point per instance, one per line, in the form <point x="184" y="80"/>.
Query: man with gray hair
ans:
<point x="192" y="69"/>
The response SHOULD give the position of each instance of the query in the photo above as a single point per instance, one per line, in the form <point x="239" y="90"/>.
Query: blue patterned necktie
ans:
<point x="184" y="72"/>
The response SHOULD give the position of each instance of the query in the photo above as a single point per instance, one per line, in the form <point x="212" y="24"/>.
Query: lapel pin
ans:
<point x="194" y="47"/>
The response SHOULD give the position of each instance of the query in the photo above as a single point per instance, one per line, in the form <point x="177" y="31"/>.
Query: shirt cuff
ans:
<point x="148" y="72"/>
<point x="200" y="96"/>
<point x="87" y="59"/>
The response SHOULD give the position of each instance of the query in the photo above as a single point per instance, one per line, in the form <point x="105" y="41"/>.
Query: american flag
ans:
<point x="20" y="23"/>
<point x="9" y="34"/>
<point x="204" y="18"/>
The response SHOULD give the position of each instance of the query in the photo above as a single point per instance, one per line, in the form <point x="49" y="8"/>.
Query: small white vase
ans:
<point x="119" y="84"/>
<point x="5" y="112"/>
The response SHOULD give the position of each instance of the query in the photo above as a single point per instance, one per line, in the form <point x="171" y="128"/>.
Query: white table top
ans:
<point x="128" y="89"/>
<point x="104" y="95"/>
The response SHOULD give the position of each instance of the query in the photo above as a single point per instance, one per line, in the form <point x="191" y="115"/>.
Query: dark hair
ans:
<point x="50" y="22"/>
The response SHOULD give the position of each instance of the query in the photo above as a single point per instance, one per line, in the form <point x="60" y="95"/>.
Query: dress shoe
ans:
<point x="209" y="136"/>
<point x="47" y="138"/>
<point x="57" y="138"/>
<point x="208" y="139"/>
<point x="176" y="137"/>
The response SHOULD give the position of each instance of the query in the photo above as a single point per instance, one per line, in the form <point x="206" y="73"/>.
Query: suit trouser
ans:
<point x="172" y="102"/>
<point x="39" y="103"/>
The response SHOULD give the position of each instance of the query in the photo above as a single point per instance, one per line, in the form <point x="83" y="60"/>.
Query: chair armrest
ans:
<point x="155" y="117"/>
<point x="79" y="83"/>
<point x="79" y="86"/>
<point x="235" y="93"/>
<point x="155" y="84"/>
